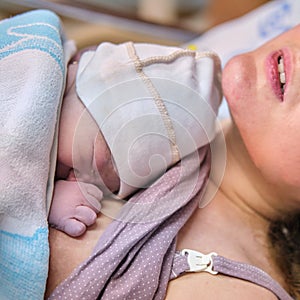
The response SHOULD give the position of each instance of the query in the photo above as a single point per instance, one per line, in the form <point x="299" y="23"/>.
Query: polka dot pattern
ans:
<point x="134" y="257"/>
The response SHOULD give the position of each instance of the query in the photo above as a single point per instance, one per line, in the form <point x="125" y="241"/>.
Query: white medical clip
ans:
<point x="199" y="262"/>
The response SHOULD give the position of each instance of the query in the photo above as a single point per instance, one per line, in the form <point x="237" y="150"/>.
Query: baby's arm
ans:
<point x="74" y="206"/>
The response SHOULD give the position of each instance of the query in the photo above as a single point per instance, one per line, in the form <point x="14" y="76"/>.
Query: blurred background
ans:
<point x="170" y="22"/>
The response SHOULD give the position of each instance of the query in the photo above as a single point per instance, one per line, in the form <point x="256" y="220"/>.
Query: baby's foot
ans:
<point x="74" y="206"/>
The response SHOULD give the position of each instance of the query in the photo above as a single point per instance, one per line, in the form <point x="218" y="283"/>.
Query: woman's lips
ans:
<point x="277" y="67"/>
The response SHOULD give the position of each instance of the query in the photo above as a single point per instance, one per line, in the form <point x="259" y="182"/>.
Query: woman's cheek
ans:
<point x="240" y="89"/>
<point x="272" y="153"/>
<point x="239" y="83"/>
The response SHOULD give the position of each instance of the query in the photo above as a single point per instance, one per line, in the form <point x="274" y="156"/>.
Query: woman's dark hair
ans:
<point x="285" y="241"/>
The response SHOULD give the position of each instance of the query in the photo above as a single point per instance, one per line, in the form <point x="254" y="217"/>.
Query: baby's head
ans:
<point x="81" y="145"/>
<point x="146" y="105"/>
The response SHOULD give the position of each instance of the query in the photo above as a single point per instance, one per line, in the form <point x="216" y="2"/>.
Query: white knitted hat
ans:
<point x="153" y="104"/>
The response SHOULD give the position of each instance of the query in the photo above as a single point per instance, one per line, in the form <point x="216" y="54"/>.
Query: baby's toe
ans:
<point x="85" y="215"/>
<point x="74" y="227"/>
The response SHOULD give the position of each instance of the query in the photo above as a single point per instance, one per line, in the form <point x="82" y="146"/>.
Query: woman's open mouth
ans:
<point x="277" y="66"/>
<point x="281" y="72"/>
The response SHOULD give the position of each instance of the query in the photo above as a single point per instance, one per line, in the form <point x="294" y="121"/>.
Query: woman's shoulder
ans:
<point x="204" y="286"/>
<point x="206" y="231"/>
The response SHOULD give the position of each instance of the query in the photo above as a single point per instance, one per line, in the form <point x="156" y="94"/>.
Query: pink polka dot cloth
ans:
<point x="133" y="258"/>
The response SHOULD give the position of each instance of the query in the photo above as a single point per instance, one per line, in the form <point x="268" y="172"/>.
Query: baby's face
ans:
<point x="81" y="145"/>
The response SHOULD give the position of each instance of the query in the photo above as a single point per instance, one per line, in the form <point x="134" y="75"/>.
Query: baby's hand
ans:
<point x="74" y="206"/>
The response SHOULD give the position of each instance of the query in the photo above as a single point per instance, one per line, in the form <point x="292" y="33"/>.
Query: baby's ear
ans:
<point x="71" y="76"/>
<point x="73" y="67"/>
<point x="79" y="53"/>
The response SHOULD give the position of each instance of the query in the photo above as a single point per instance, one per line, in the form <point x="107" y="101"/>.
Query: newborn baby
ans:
<point x="78" y="191"/>
<point x="130" y="111"/>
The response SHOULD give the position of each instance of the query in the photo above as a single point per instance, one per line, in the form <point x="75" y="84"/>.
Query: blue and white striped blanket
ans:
<point x="33" y="53"/>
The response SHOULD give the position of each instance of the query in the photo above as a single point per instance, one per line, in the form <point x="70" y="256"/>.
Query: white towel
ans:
<point x="32" y="72"/>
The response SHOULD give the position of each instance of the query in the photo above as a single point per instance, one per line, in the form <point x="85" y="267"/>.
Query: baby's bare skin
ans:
<point x="84" y="166"/>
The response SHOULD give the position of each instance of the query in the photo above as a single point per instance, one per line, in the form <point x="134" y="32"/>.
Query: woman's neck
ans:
<point x="239" y="200"/>
<point x="235" y="223"/>
<point x="244" y="185"/>
<point x="243" y="207"/>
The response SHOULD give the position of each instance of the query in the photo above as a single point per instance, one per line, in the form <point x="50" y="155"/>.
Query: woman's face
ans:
<point x="262" y="88"/>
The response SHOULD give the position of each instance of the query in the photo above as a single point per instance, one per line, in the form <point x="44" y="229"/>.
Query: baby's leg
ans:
<point x="74" y="206"/>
